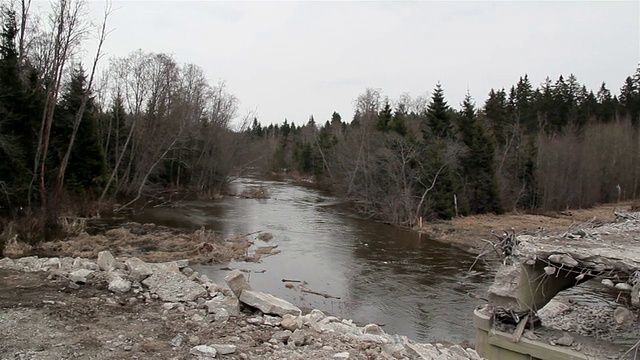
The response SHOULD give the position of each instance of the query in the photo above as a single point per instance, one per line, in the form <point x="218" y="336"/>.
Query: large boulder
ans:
<point x="236" y="282"/>
<point x="173" y="287"/>
<point x="268" y="304"/>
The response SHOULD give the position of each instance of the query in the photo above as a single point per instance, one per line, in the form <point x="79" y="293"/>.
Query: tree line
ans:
<point x="67" y="133"/>
<point x="555" y="146"/>
<point x="149" y="124"/>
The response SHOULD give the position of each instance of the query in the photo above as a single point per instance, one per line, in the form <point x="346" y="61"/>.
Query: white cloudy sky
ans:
<point x="294" y="59"/>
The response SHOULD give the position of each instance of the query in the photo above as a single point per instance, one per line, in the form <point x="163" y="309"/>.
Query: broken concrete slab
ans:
<point x="268" y="303"/>
<point x="138" y="269"/>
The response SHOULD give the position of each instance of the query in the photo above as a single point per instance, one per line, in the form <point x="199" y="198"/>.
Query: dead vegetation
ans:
<point x="257" y="192"/>
<point x="149" y="243"/>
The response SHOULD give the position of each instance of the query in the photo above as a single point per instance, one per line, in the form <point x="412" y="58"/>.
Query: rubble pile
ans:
<point x="264" y="326"/>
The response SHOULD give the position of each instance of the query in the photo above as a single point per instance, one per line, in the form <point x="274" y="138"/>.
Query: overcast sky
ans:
<point x="293" y="59"/>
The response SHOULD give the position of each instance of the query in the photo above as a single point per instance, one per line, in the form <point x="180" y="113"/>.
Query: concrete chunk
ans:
<point x="173" y="287"/>
<point x="138" y="269"/>
<point x="106" y="261"/>
<point x="268" y="304"/>
<point x="236" y="282"/>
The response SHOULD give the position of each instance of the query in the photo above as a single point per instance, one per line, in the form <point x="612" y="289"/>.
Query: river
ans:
<point x="412" y="284"/>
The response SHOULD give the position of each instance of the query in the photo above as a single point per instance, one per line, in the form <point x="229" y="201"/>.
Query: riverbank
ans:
<point x="55" y="308"/>
<point x="468" y="232"/>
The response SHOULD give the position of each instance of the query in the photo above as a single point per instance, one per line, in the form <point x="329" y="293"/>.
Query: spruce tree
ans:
<point x="478" y="169"/>
<point x="439" y="114"/>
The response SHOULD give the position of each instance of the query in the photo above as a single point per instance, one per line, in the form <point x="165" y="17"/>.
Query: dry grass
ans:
<point x="468" y="232"/>
<point x="155" y="244"/>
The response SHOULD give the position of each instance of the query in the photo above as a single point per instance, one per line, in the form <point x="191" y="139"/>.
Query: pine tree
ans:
<point x="384" y="117"/>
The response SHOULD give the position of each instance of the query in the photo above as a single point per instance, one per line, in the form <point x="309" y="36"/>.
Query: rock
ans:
<point x="635" y="295"/>
<point x="236" y="282"/>
<point x="553" y="309"/>
<point x="224" y="349"/>
<point x="29" y="263"/>
<point x="85" y="264"/>
<point x="221" y="316"/>
<point x="281" y="336"/>
<point x="272" y="320"/>
<point x="267" y="303"/>
<point x="138" y="269"/>
<point x="565" y="340"/>
<point x="52" y="263"/>
<point x="341" y="355"/>
<point x="177" y="340"/>
<point x="170" y="266"/>
<point x="622" y="315"/>
<point x="265" y="236"/>
<point x="203" y="352"/>
<point x="373" y="329"/>
<point x="230" y="304"/>
<point x="316" y="315"/>
<point x="297" y="338"/>
<point x="528" y="335"/>
<point x="80" y="276"/>
<point x="119" y="285"/>
<point x="376" y="339"/>
<point x="187" y="271"/>
<point x="197" y="318"/>
<point x="421" y="351"/>
<point x="290" y="322"/>
<point x="623" y="287"/>
<point x="457" y="350"/>
<point x="256" y="320"/>
<point x="473" y="355"/>
<point x="173" y="287"/>
<point x="106" y="261"/>
<point x="607" y="283"/>
<point x="181" y="264"/>
<point x="169" y="305"/>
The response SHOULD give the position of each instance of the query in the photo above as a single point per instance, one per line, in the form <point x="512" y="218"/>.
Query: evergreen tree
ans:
<point x="439" y="114"/>
<point x="497" y="113"/>
<point x="384" y="117"/>
<point x="478" y="169"/>
<point x="607" y="104"/>
<point x="87" y="165"/>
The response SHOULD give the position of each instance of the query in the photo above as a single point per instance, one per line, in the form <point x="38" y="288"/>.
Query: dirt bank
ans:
<point x="467" y="232"/>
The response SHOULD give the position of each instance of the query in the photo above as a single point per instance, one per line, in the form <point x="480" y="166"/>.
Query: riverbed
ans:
<point x="375" y="273"/>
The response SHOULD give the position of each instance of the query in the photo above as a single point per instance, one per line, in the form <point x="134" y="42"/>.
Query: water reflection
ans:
<point x="414" y="285"/>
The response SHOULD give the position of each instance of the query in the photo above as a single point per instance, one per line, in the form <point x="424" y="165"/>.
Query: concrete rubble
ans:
<point x="292" y="334"/>
<point x="538" y="270"/>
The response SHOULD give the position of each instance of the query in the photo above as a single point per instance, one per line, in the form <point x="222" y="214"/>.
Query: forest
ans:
<point x="76" y="140"/>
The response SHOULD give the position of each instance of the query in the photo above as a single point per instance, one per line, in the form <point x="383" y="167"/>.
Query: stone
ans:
<point x="80" y="276"/>
<point x="268" y="304"/>
<point x="421" y="351"/>
<point x="373" y="329"/>
<point x="221" y="316"/>
<point x="635" y="295"/>
<point x="297" y="338"/>
<point x="106" y="261"/>
<point x="608" y="283"/>
<point x="376" y="339"/>
<point x="203" y="352"/>
<point x="51" y="263"/>
<point x="188" y="271"/>
<point x="622" y="315"/>
<point x="272" y="320"/>
<point x="565" y="340"/>
<point x="138" y="269"/>
<point x="170" y="266"/>
<point x="173" y="287"/>
<point x="623" y="287"/>
<point x="224" y="349"/>
<point x="341" y="355"/>
<point x="290" y="322"/>
<point x="85" y="264"/>
<point x="181" y="264"/>
<point x="230" y="304"/>
<point x="316" y="315"/>
<point x="29" y="263"/>
<point x="177" y="340"/>
<point x="169" y="306"/>
<point x="119" y="285"/>
<point x="457" y="350"/>
<point x="255" y="320"/>
<point x="265" y="236"/>
<point x="473" y="354"/>
<point x="281" y="336"/>
<point x="236" y="282"/>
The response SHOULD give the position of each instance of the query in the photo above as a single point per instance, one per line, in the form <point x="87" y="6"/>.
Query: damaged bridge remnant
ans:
<point x="538" y="267"/>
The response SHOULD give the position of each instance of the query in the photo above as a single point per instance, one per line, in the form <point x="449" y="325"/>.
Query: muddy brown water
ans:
<point x="412" y="284"/>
